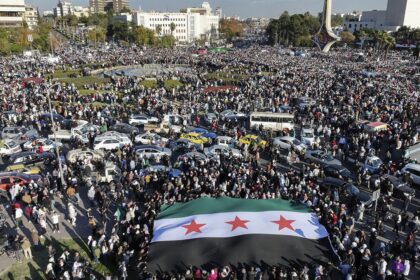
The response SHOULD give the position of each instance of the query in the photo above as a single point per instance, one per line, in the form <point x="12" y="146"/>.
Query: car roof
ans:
<point x="335" y="166"/>
<point x="413" y="166"/>
<point x="287" y="138"/>
<point x="22" y="154"/>
<point x="148" y="147"/>
<point x="331" y="180"/>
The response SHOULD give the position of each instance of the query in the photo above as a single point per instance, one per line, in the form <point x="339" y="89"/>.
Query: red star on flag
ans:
<point x="193" y="227"/>
<point x="238" y="223"/>
<point x="284" y="223"/>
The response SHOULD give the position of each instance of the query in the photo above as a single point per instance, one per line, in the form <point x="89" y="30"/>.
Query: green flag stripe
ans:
<point x="207" y="205"/>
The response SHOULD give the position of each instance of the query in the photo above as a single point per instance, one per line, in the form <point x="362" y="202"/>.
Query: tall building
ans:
<point x="190" y="23"/>
<point x="397" y="14"/>
<point x="97" y="6"/>
<point x="63" y="9"/>
<point x="30" y="16"/>
<point x="11" y="13"/>
<point x="118" y="5"/>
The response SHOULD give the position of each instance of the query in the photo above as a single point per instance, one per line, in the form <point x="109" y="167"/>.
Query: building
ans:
<point x="97" y="6"/>
<point x="80" y="11"/>
<point x="190" y="23"/>
<point x="63" y="9"/>
<point x="118" y="5"/>
<point x="397" y="14"/>
<point x="30" y="16"/>
<point x="11" y="13"/>
<point x="219" y="12"/>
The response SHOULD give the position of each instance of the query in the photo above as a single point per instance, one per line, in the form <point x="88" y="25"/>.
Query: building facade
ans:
<point x="190" y="24"/>
<point x="12" y="13"/>
<point x="97" y="6"/>
<point x="30" y="16"/>
<point x="398" y="13"/>
<point x="118" y="5"/>
<point x="63" y="9"/>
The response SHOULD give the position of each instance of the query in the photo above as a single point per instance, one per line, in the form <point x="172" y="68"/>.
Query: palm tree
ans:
<point x="158" y="29"/>
<point x="173" y="27"/>
<point x="390" y="42"/>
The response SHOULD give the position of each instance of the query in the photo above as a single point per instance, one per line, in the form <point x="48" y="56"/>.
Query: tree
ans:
<point x="173" y="27"/>
<point x="96" y="35"/>
<point x="231" y="28"/>
<point x="144" y="36"/>
<point x="158" y="29"/>
<point x="347" y="37"/>
<point x="336" y="20"/>
<point x="167" y="41"/>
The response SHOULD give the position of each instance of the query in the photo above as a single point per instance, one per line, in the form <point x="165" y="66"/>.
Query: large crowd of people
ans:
<point x="346" y="91"/>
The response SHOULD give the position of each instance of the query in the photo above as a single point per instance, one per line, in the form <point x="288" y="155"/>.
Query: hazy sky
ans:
<point x="242" y="8"/>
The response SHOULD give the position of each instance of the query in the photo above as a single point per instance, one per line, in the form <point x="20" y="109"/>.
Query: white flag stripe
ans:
<point x="305" y="225"/>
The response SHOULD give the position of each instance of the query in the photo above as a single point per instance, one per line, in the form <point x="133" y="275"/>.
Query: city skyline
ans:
<point x="247" y="8"/>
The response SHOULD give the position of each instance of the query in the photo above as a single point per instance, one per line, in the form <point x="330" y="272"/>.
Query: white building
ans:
<point x="80" y="11"/>
<point x="11" y="13"/>
<point x="63" y="8"/>
<point x="30" y="16"/>
<point x="397" y="14"/>
<point x="190" y="24"/>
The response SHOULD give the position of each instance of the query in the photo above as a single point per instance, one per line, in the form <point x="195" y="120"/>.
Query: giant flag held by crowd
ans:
<point x="228" y="231"/>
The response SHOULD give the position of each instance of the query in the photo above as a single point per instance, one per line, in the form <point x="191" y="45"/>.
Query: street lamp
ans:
<point x="60" y="166"/>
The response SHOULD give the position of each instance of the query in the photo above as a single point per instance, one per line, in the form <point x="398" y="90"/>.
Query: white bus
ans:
<point x="272" y="121"/>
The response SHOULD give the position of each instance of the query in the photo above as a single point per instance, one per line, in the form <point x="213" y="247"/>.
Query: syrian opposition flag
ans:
<point x="210" y="232"/>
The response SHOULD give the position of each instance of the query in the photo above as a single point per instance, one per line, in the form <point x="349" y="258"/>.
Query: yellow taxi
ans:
<point x="194" y="138"/>
<point x="32" y="170"/>
<point x="251" y="138"/>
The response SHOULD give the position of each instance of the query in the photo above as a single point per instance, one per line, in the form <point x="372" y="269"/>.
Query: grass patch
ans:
<point x="227" y="76"/>
<point x="91" y="91"/>
<point x="86" y="80"/>
<point x="60" y="74"/>
<point x="170" y="84"/>
<point x="35" y="268"/>
<point x="148" y="84"/>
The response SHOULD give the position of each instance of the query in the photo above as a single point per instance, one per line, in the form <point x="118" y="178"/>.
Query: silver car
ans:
<point x="321" y="158"/>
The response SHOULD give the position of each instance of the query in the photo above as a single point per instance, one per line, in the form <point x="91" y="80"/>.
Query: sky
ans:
<point x="242" y="8"/>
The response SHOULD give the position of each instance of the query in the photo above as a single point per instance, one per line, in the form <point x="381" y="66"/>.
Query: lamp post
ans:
<point x="60" y="166"/>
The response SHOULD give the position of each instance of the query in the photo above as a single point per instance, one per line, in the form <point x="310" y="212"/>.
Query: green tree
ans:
<point x="231" y="28"/>
<point x="5" y="46"/>
<point x="158" y="29"/>
<point x="347" y="37"/>
<point x="173" y="27"/>
<point x="336" y="20"/>
<point x="144" y="36"/>
<point x="96" y="35"/>
<point x="167" y="41"/>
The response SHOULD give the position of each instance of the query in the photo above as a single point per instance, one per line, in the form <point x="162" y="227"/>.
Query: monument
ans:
<point x="325" y="37"/>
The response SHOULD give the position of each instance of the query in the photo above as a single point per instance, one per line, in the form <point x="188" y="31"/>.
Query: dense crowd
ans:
<point x="121" y="214"/>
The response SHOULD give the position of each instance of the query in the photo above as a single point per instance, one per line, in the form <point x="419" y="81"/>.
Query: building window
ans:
<point x="350" y="25"/>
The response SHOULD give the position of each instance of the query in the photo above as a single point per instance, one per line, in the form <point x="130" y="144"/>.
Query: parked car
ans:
<point x="10" y="147"/>
<point x="414" y="170"/>
<point x="32" y="158"/>
<point x="194" y="137"/>
<point x="142" y="119"/>
<point x="7" y="179"/>
<point x="251" y="138"/>
<point x="58" y="119"/>
<point x="347" y="189"/>
<point x="399" y="187"/>
<point x="110" y="143"/>
<point x="10" y="132"/>
<point x="150" y="139"/>
<point x="225" y="150"/>
<point x="225" y="141"/>
<point x="125" y="128"/>
<point x="231" y="115"/>
<point x="150" y="151"/>
<point x="47" y="144"/>
<point x="82" y="154"/>
<point x="307" y="136"/>
<point x="181" y="145"/>
<point x="289" y="143"/>
<point x="210" y="117"/>
<point x="338" y="171"/>
<point x="31" y="170"/>
<point x="321" y="158"/>
<point x="372" y="164"/>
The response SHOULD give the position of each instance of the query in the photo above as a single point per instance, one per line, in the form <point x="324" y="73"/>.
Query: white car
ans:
<point x="47" y="144"/>
<point x="114" y="133"/>
<point x="289" y="143"/>
<point x="225" y="141"/>
<point x="142" y="119"/>
<point x="307" y="136"/>
<point x="10" y="147"/>
<point x="231" y="114"/>
<point x="150" y="151"/>
<point x="150" y="139"/>
<point x="225" y="150"/>
<point x="111" y="142"/>
<point x="414" y="170"/>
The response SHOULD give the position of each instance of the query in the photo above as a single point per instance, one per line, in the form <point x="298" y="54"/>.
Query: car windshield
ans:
<point x="308" y="135"/>
<point x="296" y="142"/>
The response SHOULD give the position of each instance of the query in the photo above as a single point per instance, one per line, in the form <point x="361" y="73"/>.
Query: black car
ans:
<point x="400" y="189"/>
<point x="346" y="189"/>
<point x="125" y="128"/>
<point x="339" y="172"/>
<point x="31" y="158"/>
<point x="64" y="122"/>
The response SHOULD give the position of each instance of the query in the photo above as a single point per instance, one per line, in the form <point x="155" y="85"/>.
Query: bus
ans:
<point x="272" y="121"/>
